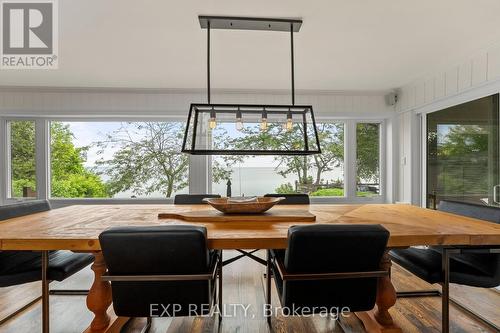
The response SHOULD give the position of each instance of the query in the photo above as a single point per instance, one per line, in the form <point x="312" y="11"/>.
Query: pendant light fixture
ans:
<point x="293" y="126"/>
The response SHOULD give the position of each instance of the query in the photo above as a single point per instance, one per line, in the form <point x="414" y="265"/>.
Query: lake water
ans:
<point x="249" y="181"/>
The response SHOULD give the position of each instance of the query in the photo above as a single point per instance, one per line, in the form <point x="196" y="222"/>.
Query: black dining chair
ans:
<point x="291" y="198"/>
<point x="328" y="267"/>
<point x="192" y="199"/>
<point x="471" y="266"/>
<point x="161" y="271"/>
<point x="19" y="267"/>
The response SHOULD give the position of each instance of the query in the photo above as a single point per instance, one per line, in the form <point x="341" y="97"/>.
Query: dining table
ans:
<point x="77" y="228"/>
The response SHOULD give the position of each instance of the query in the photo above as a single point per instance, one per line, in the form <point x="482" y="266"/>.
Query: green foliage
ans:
<point x="328" y="192"/>
<point x="461" y="158"/>
<point x="368" y="152"/>
<point x="70" y="179"/>
<point x="463" y="140"/>
<point x="19" y="184"/>
<point x="83" y="185"/>
<point x="285" y="189"/>
<point x="22" y="138"/>
<point x="148" y="158"/>
<point x="339" y="192"/>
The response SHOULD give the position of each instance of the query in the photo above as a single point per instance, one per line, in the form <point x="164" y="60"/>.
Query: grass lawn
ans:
<point x="338" y="192"/>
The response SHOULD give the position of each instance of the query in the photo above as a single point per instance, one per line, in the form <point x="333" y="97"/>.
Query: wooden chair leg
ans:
<point x="45" y="293"/>
<point x="445" y="297"/>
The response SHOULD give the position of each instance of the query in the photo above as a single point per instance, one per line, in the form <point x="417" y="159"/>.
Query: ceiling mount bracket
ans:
<point x="250" y="23"/>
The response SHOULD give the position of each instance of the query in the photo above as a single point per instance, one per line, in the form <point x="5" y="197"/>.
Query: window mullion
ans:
<point x="4" y="165"/>
<point x="42" y="144"/>
<point x="350" y="159"/>
<point x="198" y="175"/>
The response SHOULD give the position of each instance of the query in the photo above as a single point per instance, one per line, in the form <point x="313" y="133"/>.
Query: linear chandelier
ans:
<point x="250" y="129"/>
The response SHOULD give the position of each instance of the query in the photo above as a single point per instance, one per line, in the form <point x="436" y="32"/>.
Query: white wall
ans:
<point x="478" y="70"/>
<point x="143" y="103"/>
<point x="475" y="77"/>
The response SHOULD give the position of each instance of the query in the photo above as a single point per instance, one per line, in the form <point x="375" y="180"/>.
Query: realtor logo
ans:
<point x="29" y="34"/>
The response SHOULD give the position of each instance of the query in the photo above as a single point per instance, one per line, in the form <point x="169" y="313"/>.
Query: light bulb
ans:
<point x="239" y="124"/>
<point x="289" y="124"/>
<point x="263" y="124"/>
<point x="212" y="123"/>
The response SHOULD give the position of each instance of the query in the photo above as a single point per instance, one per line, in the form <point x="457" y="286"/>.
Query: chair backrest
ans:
<point x="156" y="250"/>
<point x="488" y="264"/>
<point x="487" y="213"/>
<point x="23" y="208"/>
<point x="324" y="248"/>
<point x="192" y="199"/>
<point x="291" y="199"/>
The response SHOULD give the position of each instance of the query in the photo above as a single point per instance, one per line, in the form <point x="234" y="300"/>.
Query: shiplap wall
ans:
<point x="481" y="69"/>
<point x="143" y="103"/>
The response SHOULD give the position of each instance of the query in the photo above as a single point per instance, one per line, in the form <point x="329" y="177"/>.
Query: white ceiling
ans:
<point x="343" y="45"/>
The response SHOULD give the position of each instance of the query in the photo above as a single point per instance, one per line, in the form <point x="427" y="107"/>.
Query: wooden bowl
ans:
<point x="261" y="205"/>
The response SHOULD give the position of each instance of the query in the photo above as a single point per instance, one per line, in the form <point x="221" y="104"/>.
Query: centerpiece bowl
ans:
<point x="253" y="205"/>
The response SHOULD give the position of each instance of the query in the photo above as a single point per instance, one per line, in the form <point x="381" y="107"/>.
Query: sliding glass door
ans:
<point x="463" y="153"/>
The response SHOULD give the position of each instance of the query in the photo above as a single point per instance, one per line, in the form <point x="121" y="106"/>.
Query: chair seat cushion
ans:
<point x="18" y="267"/>
<point x="426" y="264"/>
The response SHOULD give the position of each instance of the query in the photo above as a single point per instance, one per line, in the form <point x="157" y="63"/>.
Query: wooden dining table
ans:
<point x="77" y="228"/>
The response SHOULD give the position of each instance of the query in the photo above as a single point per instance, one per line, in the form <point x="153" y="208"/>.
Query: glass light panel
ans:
<point x="251" y="130"/>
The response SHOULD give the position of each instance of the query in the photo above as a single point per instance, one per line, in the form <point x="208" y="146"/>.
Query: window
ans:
<point x="463" y="153"/>
<point x="117" y="160"/>
<point x="367" y="159"/>
<point x="317" y="175"/>
<point x="22" y="182"/>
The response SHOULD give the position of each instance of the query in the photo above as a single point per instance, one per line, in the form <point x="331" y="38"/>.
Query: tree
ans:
<point x="367" y="151"/>
<point x="147" y="158"/>
<point x="463" y="141"/>
<point x="331" y="136"/>
<point x="222" y="165"/>
<point x="22" y="144"/>
<point x="461" y="161"/>
<point x="286" y="188"/>
<point x="69" y="177"/>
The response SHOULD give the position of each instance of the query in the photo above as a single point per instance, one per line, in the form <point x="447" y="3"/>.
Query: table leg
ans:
<point x="386" y="294"/>
<point x="379" y="319"/>
<point x="99" y="297"/>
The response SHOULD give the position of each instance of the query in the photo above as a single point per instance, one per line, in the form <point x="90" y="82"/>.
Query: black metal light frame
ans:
<point x="196" y="109"/>
<point x="250" y="23"/>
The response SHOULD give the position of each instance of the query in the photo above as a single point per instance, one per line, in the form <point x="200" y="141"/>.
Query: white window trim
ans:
<point x="201" y="181"/>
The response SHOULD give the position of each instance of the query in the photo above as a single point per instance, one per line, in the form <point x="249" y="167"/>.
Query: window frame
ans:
<point x="200" y="179"/>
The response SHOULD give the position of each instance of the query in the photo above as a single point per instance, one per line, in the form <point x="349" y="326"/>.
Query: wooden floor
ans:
<point x="243" y="284"/>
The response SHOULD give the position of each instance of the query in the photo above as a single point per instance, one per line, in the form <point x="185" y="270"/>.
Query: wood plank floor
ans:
<point x="243" y="284"/>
